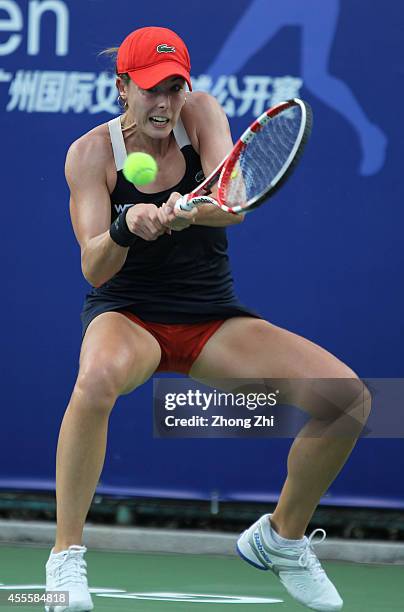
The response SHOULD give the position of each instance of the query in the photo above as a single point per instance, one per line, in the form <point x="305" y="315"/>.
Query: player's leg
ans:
<point x="252" y="348"/>
<point x="116" y="356"/>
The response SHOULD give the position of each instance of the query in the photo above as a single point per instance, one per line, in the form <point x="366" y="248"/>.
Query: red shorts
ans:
<point x="180" y="343"/>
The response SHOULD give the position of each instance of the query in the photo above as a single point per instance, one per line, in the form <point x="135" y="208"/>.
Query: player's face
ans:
<point x="156" y="111"/>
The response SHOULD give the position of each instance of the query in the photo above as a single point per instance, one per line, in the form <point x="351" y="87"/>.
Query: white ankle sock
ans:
<point x="58" y="554"/>
<point x="271" y="536"/>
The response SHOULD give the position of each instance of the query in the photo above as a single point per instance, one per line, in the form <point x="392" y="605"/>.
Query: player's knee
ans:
<point x="358" y="398"/>
<point x="100" y="383"/>
<point x="367" y="403"/>
<point x="350" y="402"/>
<point x="358" y="408"/>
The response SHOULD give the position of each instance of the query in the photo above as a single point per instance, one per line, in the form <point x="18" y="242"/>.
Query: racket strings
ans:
<point x="263" y="160"/>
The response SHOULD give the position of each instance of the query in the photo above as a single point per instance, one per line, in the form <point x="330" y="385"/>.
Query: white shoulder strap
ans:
<point x="180" y="134"/>
<point x="117" y="141"/>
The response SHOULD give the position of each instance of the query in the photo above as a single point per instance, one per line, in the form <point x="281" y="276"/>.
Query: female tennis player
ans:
<point x="163" y="300"/>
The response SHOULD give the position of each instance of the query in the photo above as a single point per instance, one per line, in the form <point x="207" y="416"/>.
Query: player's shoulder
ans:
<point x="92" y="148"/>
<point x="201" y="103"/>
<point x="202" y="113"/>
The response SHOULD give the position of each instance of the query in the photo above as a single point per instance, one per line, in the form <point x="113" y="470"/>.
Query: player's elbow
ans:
<point x="93" y="280"/>
<point x="89" y="272"/>
<point x="90" y="277"/>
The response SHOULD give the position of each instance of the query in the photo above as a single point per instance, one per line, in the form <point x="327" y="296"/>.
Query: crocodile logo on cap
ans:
<point x="165" y="48"/>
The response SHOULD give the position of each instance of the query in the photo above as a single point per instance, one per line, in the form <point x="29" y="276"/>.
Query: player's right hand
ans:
<point x="174" y="218"/>
<point x="143" y="221"/>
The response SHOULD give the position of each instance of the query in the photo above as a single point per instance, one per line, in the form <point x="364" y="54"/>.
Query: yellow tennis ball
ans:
<point x="140" y="168"/>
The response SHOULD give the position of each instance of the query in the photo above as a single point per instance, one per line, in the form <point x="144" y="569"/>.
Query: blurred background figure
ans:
<point x="318" y="20"/>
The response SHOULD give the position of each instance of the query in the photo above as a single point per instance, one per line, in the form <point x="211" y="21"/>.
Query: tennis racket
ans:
<point x="259" y="163"/>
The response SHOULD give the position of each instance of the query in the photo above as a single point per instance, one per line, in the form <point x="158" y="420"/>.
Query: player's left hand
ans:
<point x="173" y="218"/>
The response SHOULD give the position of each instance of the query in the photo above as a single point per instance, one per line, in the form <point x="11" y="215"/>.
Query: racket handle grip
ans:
<point x="183" y="203"/>
<point x="187" y="202"/>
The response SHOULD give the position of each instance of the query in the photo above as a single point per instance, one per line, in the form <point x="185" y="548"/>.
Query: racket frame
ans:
<point x="221" y="174"/>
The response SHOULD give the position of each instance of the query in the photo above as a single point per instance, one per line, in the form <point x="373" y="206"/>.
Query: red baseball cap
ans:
<point x="150" y="55"/>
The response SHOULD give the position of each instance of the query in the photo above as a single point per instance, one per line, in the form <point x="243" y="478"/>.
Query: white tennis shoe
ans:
<point x="67" y="571"/>
<point x="297" y="567"/>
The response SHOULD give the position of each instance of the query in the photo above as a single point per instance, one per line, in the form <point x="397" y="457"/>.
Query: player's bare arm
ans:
<point x="207" y="125"/>
<point x="86" y="175"/>
<point x="86" y="170"/>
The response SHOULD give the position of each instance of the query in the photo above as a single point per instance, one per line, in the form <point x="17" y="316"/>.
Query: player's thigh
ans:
<point x="245" y="347"/>
<point x="117" y="355"/>
<point x="248" y="348"/>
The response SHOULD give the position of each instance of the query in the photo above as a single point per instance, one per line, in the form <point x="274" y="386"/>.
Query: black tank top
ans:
<point x="184" y="277"/>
